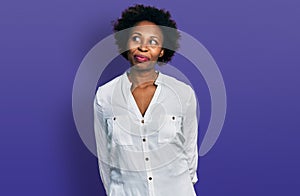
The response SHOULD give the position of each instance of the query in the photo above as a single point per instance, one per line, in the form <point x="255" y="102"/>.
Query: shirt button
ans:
<point x="173" y="117"/>
<point x="115" y="118"/>
<point x="150" y="178"/>
<point x="142" y="121"/>
<point x="144" y="139"/>
<point x="147" y="159"/>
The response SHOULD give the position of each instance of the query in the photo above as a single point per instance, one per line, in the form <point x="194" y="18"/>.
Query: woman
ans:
<point x="145" y="121"/>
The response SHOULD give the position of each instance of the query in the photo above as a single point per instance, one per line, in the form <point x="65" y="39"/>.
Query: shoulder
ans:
<point x="110" y="84"/>
<point x="182" y="89"/>
<point x="104" y="92"/>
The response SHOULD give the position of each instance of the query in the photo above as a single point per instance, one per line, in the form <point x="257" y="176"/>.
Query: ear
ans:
<point x="161" y="53"/>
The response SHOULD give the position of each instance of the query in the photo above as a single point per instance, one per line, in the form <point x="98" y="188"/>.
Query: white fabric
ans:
<point x="151" y="155"/>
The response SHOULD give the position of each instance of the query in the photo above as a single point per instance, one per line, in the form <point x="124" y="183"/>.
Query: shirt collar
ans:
<point x="127" y="83"/>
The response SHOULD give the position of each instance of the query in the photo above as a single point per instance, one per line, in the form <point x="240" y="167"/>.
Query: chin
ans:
<point x="144" y="66"/>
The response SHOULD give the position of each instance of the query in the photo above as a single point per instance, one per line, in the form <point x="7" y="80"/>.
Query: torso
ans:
<point x="143" y="95"/>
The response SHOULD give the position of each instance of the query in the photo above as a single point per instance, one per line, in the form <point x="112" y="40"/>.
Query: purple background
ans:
<point x="255" y="44"/>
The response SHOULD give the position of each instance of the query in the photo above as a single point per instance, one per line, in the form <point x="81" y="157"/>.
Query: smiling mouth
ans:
<point x="141" y="58"/>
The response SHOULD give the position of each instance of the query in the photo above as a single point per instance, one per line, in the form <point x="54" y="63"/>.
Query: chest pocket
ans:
<point x="118" y="130"/>
<point x="170" y="127"/>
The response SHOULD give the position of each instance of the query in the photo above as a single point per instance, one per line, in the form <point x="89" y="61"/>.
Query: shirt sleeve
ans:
<point x="190" y="131"/>
<point x="102" y="144"/>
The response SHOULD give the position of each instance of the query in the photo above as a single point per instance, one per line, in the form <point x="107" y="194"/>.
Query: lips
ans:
<point x="141" y="58"/>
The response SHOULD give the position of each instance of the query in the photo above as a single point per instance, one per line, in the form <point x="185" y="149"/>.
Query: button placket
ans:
<point x="147" y="163"/>
<point x="146" y="155"/>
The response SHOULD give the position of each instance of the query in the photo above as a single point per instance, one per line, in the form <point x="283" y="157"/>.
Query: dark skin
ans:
<point x="143" y="95"/>
<point x="145" y="46"/>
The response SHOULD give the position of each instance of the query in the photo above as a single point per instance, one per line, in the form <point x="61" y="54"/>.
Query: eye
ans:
<point x="153" y="42"/>
<point x="136" y="39"/>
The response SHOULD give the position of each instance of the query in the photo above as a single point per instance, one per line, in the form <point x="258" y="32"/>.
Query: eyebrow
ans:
<point x="153" y="36"/>
<point x="136" y="33"/>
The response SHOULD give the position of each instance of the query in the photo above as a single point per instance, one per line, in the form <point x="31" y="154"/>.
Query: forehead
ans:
<point x="147" y="28"/>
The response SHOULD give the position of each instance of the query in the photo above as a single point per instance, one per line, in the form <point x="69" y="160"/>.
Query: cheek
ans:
<point x="131" y="45"/>
<point x="156" y="53"/>
<point x="130" y="48"/>
<point x="130" y="53"/>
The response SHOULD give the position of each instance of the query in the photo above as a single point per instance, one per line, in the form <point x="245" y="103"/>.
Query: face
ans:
<point x="145" y="45"/>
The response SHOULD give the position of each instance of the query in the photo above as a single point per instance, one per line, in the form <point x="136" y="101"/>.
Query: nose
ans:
<point x="143" y="47"/>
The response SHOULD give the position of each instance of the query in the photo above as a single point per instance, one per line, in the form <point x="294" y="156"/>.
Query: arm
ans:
<point x="102" y="145"/>
<point x="190" y="131"/>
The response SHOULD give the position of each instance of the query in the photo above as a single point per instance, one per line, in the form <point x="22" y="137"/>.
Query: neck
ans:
<point x="137" y="78"/>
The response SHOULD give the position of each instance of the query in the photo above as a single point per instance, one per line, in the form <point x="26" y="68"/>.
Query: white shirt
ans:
<point x="151" y="155"/>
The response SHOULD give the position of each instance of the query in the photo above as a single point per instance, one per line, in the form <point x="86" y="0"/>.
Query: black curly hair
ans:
<point x="137" y="13"/>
